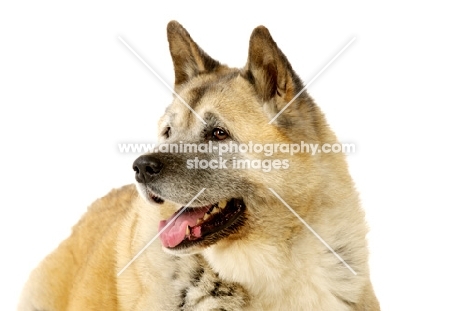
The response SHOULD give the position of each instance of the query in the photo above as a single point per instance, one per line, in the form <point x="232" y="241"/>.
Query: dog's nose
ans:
<point x="147" y="168"/>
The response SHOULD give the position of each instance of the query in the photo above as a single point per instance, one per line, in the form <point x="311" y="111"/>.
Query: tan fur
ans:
<point x="67" y="278"/>
<point x="272" y="262"/>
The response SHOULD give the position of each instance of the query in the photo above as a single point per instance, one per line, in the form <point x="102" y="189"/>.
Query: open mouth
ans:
<point x="155" y="198"/>
<point x="196" y="225"/>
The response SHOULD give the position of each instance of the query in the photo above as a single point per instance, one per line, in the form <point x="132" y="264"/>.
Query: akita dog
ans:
<point x="243" y="223"/>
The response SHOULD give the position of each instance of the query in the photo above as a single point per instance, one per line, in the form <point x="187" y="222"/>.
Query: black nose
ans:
<point x="147" y="168"/>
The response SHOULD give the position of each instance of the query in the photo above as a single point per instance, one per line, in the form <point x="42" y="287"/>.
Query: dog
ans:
<point x="242" y="222"/>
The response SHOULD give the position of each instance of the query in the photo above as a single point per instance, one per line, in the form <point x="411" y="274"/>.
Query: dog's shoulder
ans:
<point x="66" y="278"/>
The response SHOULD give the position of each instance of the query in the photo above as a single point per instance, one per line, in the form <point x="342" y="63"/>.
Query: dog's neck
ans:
<point x="269" y="271"/>
<point x="254" y="265"/>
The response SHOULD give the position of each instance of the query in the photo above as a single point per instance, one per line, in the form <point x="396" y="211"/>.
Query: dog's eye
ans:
<point x="219" y="134"/>
<point x="167" y="132"/>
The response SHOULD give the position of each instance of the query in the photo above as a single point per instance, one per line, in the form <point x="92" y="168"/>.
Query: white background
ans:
<point x="70" y="92"/>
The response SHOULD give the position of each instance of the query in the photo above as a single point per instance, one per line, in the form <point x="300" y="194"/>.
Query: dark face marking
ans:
<point x="196" y="94"/>
<point x="212" y="122"/>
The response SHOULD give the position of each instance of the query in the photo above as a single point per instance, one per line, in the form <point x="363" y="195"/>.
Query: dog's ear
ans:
<point x="188" y="58"/>
<point x="269" y="70"/>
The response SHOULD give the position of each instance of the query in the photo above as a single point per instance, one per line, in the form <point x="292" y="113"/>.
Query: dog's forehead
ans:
<point x="209" y="97"/>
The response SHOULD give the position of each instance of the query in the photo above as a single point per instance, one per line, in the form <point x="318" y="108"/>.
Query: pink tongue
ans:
<point x="175" y="231"/>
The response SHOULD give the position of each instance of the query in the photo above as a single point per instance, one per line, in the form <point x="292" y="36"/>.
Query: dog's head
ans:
<point x="202" y="161"/>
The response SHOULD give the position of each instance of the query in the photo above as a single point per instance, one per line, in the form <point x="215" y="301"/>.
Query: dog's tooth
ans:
<point x="215" y="210"/>
<point x="206" y="217"/>
<point x="187" y="231"/>
<point x="199" y="221"/>
<point x="222" y="204"/>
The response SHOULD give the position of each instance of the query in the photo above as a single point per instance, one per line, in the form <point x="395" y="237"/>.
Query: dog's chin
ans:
<point x="148" y="195"/>
<point x="184" y="251"/>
